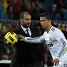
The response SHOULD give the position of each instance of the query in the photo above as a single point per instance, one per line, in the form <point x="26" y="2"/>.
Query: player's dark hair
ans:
<point x="23" y="13"/>
<point x="47" y="15"/>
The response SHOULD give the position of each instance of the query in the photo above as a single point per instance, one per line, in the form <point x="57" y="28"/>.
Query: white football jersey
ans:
<point x="55" y="40"/>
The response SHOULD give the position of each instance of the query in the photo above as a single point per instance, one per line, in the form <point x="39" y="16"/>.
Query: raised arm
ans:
<point x="41" y="39"/>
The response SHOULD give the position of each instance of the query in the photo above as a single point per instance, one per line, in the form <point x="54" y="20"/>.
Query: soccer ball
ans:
<point x="10" y="38"/>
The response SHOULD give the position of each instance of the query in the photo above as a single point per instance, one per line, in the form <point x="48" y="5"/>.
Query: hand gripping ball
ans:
<point x="10" y="38"/>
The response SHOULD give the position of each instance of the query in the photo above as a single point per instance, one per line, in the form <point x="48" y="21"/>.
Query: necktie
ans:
<point x="27" y="31"/>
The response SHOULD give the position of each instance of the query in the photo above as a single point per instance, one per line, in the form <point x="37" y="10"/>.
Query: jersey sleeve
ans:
<point x="62" y="40"/>
<point x="41" y="39"/>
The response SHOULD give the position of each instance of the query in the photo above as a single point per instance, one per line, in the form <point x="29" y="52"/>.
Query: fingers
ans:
<point x="56" y="61"/>
<point x="20" y="37"/>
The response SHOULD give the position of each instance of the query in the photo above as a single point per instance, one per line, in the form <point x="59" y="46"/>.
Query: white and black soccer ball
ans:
<point x="10" y="38"/>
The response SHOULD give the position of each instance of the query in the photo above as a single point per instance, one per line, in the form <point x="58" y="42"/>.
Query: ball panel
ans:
<point x="10" y="38"/>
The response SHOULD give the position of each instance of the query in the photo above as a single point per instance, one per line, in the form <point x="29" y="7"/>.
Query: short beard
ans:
<point x="25" y="26"/>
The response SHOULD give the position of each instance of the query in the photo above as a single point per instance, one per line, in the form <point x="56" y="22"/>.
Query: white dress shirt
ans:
<point x="25" y="30"/>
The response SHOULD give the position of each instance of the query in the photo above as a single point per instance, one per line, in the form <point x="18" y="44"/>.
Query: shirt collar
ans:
<point x="24" y="28"/>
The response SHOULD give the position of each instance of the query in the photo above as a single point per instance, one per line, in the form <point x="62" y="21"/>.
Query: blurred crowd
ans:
<point x="11" y="9"/>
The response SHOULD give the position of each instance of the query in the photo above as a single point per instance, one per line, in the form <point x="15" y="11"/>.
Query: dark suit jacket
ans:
<point x="27" y="52"/>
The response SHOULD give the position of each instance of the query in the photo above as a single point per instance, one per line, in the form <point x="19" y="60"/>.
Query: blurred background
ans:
<point x="9" y="20"/>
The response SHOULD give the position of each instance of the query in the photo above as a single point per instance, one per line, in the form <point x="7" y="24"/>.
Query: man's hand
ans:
<point x="21" y="37"/>
<point x="55" y="61"/>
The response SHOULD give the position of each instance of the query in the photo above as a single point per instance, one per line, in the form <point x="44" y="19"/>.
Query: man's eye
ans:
<point x="42" y="20"/>
<point x="27" y="19"/>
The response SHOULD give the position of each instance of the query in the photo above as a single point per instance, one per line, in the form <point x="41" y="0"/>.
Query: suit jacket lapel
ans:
<point x="23" y="32"/>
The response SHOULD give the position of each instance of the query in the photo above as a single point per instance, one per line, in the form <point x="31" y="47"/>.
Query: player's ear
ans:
<point x="21" y="20"/>
<point x="50" y="20"/>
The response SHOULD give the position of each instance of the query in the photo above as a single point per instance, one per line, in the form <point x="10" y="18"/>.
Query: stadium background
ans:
<point x="9" y="19"/>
